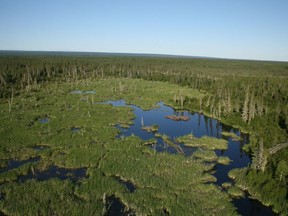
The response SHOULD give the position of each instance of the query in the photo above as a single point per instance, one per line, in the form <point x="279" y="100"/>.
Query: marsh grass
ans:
<point x="168" y="141"/>
<point x="152" y="128"/>
<point x="232" y="135"/>
<point x="235" y="192"/>
<point x="224" y="160"/>
<point x="210" y="143"/>
<point x="167" y="179"/>
<point x="206" y="155"/>
<point x="216" y="88"/>
<point x="174" y="183"/>
<point x="46" y="198"/>
<point x="226" y="185"/>
<point x="12" y="175"/>
<point x="3" y="164"/>
<point x="150" y="142"/>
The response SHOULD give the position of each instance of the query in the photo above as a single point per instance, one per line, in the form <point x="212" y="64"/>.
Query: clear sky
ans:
<point x="245" y="29"/>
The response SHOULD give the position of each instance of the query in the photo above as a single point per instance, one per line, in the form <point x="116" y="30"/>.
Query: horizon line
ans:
<point x="140" y="54"/>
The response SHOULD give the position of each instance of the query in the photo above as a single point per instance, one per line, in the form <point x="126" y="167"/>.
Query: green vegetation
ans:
<point x="210" y="143"/>
<point x="152" y="128"/>
<point x="232" y="135"/>
<point x="150" y="142"/>
<point x="226" y="185"/>
<point x="52" y="197"/>
<point x="224" y="160"/>
<point x="259" y="184"/>
<point x="166" y="139"/>
<point x="206" y="155"/>
<point x="249" y="95"/>
<point x="235" y="192"/>
<point x="162" y="181"/>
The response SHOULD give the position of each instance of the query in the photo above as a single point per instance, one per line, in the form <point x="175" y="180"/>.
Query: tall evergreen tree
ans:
<point x="245" y="111"/>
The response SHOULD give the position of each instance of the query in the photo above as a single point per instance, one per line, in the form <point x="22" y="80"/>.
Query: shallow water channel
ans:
<point x="199" y="125"/>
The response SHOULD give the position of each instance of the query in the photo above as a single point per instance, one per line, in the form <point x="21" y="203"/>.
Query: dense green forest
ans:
<point x="250" y="95"/>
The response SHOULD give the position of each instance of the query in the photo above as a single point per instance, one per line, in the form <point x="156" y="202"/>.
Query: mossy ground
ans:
<point x="178" y="184"/>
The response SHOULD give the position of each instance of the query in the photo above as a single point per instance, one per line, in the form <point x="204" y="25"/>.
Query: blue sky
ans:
<point x="245" y="29"/>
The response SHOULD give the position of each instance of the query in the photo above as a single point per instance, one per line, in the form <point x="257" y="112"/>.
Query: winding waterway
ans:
<point x="199" y="125"/>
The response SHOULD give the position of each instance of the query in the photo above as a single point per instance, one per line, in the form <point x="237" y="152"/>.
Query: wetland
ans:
<point x="132" y="146"/>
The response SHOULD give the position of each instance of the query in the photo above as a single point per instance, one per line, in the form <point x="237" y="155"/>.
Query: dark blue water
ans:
<point x="12" y="164"/>
<point x="44" y="120"/>
<point x="55" y="172"/>
<point x="75" y="129"/>
<point x="128" y="185"/>
<point x="199" y="125"/>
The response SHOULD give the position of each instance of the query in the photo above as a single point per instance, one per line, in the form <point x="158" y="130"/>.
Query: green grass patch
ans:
<point x="210" y="143"/>
<point x="235" y="192"/>
<point x="206" y="155"/>
<point x="152" y="128"/>
<point x="224" y="160"/>
<point x="226" y="185"/>
<point x="52" y="197"/>
<point x="232" y="135"/>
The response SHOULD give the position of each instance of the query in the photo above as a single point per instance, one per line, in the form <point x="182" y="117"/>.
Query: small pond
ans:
<point x="55" y="172"/>
<point x="114" y="206"/>
<point x="199" y="125"/>
<point x="44" y="120"/>
<point x="128" y="185"/>
<point x="75" y="129"/>
<point x="12" y="164"/>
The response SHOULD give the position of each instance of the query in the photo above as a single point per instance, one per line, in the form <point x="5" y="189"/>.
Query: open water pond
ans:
<point x="198" y="125"/>
<point x="75" y="129"/>
<point x="55" y="172"/>
<point x="115" y="207"/>
<point x="44" y="120"/>
<point x="12" y="164"/>
<point x="129" y="185"/>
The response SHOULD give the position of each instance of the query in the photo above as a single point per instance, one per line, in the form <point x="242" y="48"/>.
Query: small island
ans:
<point x="177" y="118"/>
<point x="152" y="128"/>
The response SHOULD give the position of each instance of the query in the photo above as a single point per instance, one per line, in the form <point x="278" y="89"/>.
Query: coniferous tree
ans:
<point x="2" y="79"/>
<point x="219" y="109"/>
<point x="259" y="161"/>
<point x="245" y="111"/>
<point x="208" y="101"/>
<point x="282" y="171"/>
<point x="251" y="112"/>
<point x="228" y="102"/>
